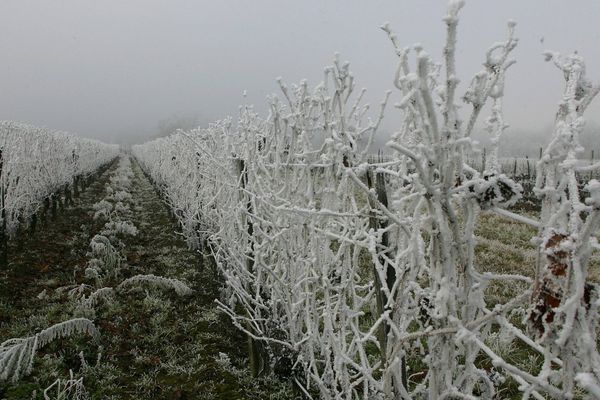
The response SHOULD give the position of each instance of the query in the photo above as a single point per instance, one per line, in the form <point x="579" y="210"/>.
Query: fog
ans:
<point x="122" y="71"/>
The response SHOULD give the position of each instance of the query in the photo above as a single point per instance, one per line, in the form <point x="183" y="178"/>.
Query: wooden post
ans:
<point x="379" y="295"/>
<point x="68" y="197"/>
<point x="390" y="272"/>
<point x="75" y="158"/>
<point x="54" y="204"/>
<point x="33" y="223"/>
<point x="515" y="169"/>
<point x="483" y="157"/>
<point x="528" y="168"/>
<point x="254" y="355"/>
<point x="61" y="199"/>
<point x="3" y="233"/>
<point x="47" y="202"/>
<point x="591" y="163"/>
<point x="3" y="240"/>
<point x="76" y="187"/>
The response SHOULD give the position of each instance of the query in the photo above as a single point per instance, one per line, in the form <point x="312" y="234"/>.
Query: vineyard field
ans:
<point x="270" y="255"/>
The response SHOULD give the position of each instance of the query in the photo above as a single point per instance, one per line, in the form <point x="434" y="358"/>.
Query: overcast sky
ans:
<point x="112" y="68"/>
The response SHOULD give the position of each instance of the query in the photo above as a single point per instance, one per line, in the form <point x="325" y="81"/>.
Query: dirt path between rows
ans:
<point x="153" y="344"/>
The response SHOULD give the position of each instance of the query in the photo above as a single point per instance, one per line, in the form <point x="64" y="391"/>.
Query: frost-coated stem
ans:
<point x="305" y="245"/>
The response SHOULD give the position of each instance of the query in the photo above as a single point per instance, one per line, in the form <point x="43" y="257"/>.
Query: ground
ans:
<point x="505" y="246"/>
<point x="153" y="344"/>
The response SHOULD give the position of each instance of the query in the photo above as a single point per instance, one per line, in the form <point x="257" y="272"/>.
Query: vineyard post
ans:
<point x="75" y="186"/>
<point x="54" y="205"/>
<point x="380" y="295"/>
<point x="390" y="272"/>
<point x="33" y="222"/>
<point x="76" y="177"/>
<point x="68" y="196"/>
<point x="591" y="163"/>
<point x="61" y="198"/>
<point x="253" y="350"/>
<point x="3" y="233"/>
<point x="46" y="210"/>
<point x="483" y="157"/>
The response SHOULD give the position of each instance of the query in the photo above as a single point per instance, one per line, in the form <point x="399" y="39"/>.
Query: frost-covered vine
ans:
<point x="358" y="276"/>
<point x="66" y="389"/>
<point x="17" y="355"/>
<point x="564" y="311"/>
<point x="37" y="163"/>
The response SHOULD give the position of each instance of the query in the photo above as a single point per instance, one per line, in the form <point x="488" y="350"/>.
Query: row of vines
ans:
<point x="358" y="277"/>
<point x="523" y="170"/>
<point x="38" y="164"/>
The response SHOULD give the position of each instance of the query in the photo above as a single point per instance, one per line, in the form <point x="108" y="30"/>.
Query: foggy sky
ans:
<point x="114" y="68"/>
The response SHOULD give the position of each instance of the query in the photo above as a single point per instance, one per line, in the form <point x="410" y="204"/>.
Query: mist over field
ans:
<point x="114" y="70"/>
